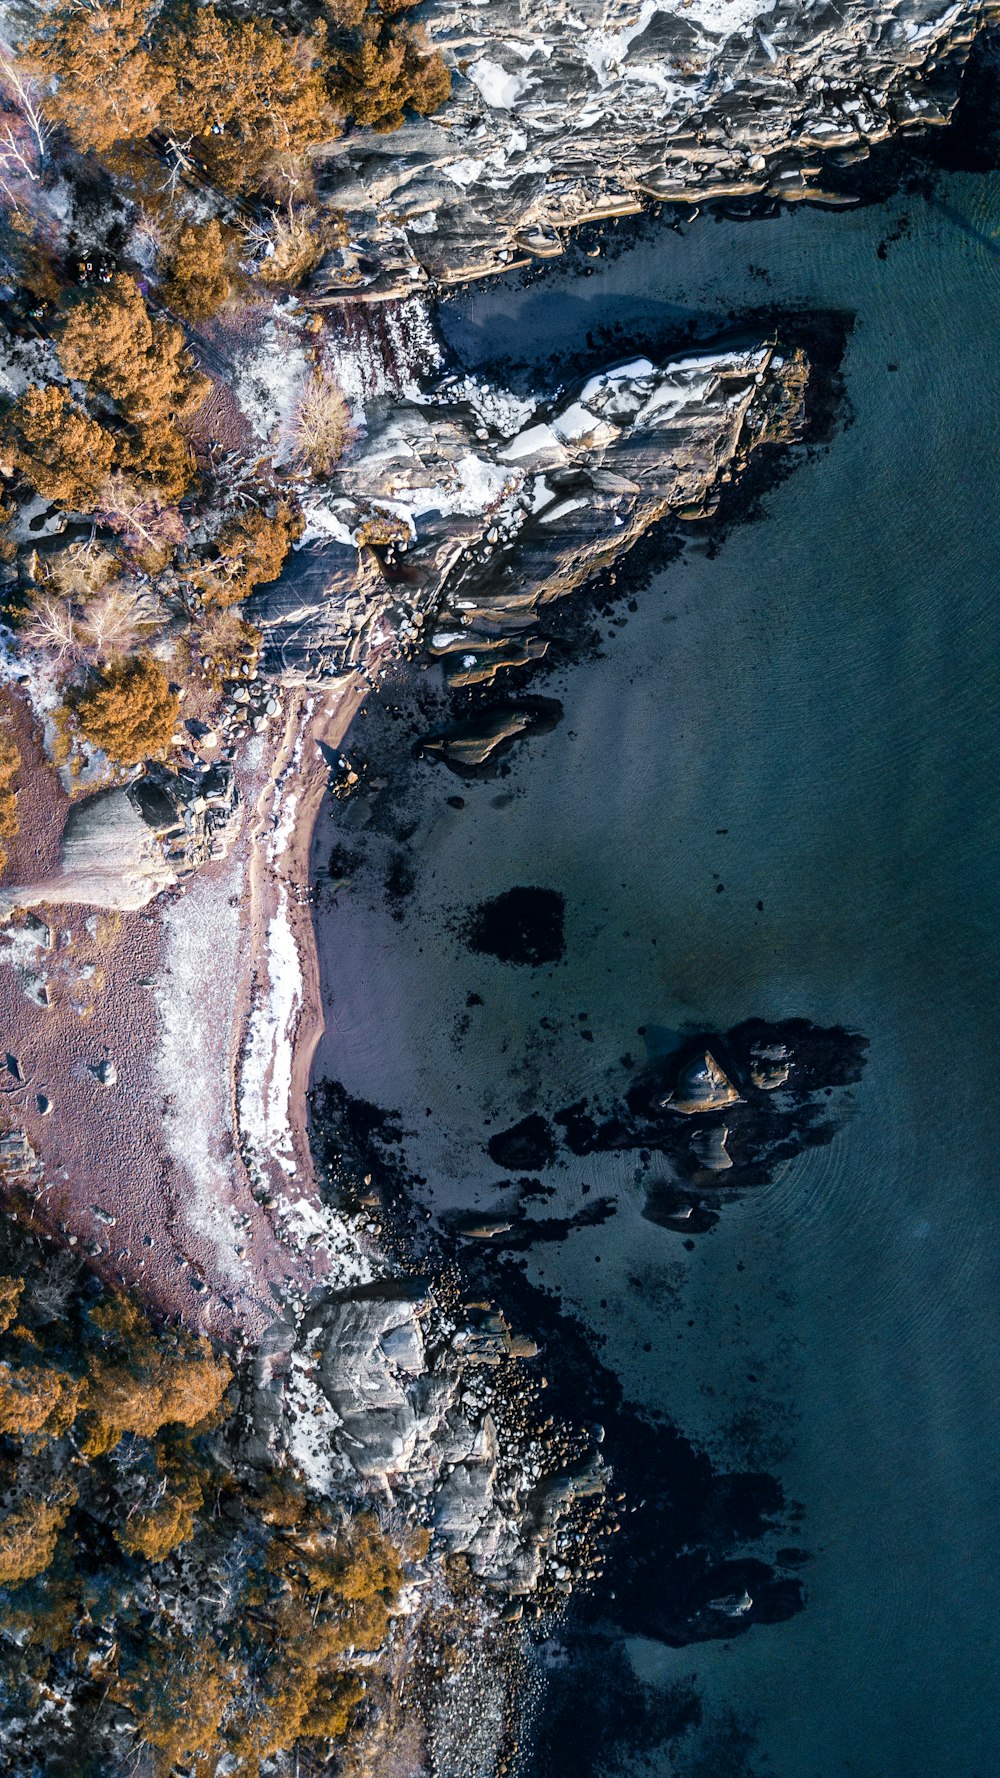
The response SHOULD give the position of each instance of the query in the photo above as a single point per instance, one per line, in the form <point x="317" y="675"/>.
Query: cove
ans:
<point x="772" y="794"/>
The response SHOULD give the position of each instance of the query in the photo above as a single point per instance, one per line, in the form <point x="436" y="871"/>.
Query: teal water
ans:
<point x="826" y="689"/>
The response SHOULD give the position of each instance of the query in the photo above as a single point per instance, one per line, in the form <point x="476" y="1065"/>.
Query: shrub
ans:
<point x="38" y="1401"/>
<point x="155" y="1530"/>
<point x="64" y="454"/>
<point x="112" y="343"/>
<point x="293" y="242"/>
<point x="253" y="97"/>
<point x="28" y="1537"/>
<point x="130" y="713"/>
<point x="322" y="425"/>
<point x="146" y="1382"/>
<point x="252" y="550"/>
<point x="102" y="83"/>
<point x="197" y="282"/>
<point x="220" y="643"/>
<point x="381" y="67"/>
<point x="179" y="1691"/>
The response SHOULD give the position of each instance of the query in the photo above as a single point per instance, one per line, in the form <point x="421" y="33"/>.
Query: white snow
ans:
<point x="622" y="373"/>
<point x="196" y="1000"/>
<point x="269" y="382"/>
<point x="498" y="409"/>
<point x="371" y="365"/>
<point x="463" y="172"/>
<point x="500" y="89"/>
<point x="923" y="33"/>
<point x="311" y="1423"/>
<point x="532" y="443"/>
<point x="607" y="50"/>
<point x="266" y="1069"/>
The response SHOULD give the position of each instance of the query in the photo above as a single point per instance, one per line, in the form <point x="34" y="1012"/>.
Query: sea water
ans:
<point x="808" y="717"/>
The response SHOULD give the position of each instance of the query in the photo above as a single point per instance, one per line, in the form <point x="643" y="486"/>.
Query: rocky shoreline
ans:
<point x="559" y="117"/>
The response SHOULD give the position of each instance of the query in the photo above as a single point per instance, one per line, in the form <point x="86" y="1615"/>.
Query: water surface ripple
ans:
<point x="825" y="689"/>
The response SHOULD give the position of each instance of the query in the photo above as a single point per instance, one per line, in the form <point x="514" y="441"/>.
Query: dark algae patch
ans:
<point x="523" y="925"/>
<point x="525" y="1147"/>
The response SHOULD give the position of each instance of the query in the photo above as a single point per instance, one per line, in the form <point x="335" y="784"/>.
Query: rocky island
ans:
<point x="262" y="1427"/>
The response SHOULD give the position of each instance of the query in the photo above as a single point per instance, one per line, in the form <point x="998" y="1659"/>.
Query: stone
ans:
<point x="560" y="115"/>
<point x="701" y="1086"/>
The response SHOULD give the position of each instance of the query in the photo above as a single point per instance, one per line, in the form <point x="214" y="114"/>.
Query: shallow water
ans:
<point x="825" y="689"/>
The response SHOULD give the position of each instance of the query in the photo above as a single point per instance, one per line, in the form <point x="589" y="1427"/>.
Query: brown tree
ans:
<point x="102" y="82"/>
<point x="154" y="1530"/>
<point x="130" y="711"/>
<point x="10" y="765"/>
<point x="145" y="1381"/>
<point x="63" y="453"/>
<point x="112" y="343"/>
<point x="196" y="280"/>
<point x="251" y="552"/>
<point x="28" y="1536"/>
<point x="253" y="96"/>
<point x="379" y="67"/>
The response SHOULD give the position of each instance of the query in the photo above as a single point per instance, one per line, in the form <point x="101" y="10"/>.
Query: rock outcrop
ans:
<point x="457" y="518"/>
<point x="562" y="114"/>
<point x="121" y="847"/>
<point x="383" y="1390"/>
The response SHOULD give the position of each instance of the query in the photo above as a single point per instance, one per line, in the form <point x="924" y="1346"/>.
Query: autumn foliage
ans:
<point x="251" y="551"/>
<point x="129" y="712"/>
<point x="197" y="281"/>
<point x="254" y="101"/>
<point x="228" y="1619"/>
<point x="63" y="453"/>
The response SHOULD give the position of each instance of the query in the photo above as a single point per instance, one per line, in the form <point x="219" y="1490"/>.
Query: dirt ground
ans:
<point x="87" y="1009"/>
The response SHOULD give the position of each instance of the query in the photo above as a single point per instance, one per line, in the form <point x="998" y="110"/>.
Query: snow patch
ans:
<point x="607" y="50"/>
<point x="269" y="383"/>
<point x="196" y="999"/>
<point x="500" y="89"/>
<point x="266" y="1071"/>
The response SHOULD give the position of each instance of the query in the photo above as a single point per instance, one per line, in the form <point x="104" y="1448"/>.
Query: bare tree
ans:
<point x="322" y="424"/>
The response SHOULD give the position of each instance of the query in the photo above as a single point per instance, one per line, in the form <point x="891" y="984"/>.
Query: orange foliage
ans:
<point x="179" y="1691"/>
<point x="197" y="282"/>
<point x="63" y="454"/>
<point x="252" y="551"/>
<point x="28" y="1537"/>
<point x="10" y="765"/>
<point x="253" y="97"/>
<point x="154" y="1531"/>
<point x="130" y="713"/>
<point x="112" y="343"/>
<point x="108" y="87"/>
<point x="38" y="1401"/>
<point x="381" y="68"/>
<point x="149" y="1380"/>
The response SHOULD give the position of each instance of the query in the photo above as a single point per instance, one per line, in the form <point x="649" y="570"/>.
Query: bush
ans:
<point x="130" y="713"/>
<point x="322" y="425"/>
<point x="64" y="454"/>
<point x="381" y="68"/>
<point x="252" y="550"/>
<point x="112" y="343"/>
<point x="100" y="80"/>
<point x="253" y="97"/>
<point x="196" y="281"/>
<point x="28" y="1537"/>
